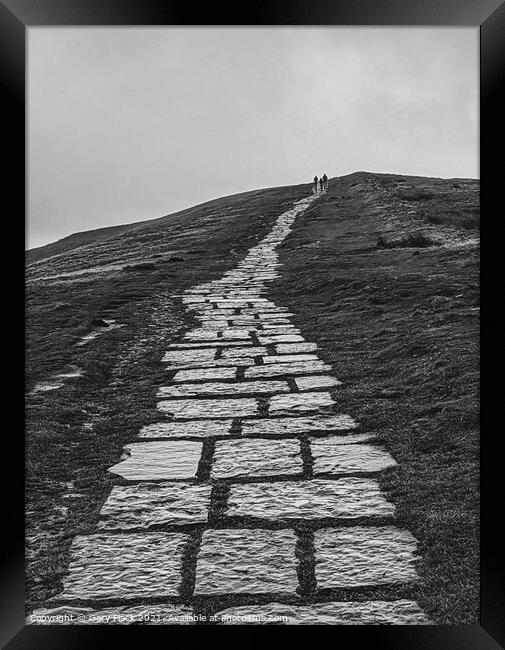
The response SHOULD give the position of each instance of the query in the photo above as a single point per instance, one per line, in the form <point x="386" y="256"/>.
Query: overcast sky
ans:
<point x="126" y="124"/>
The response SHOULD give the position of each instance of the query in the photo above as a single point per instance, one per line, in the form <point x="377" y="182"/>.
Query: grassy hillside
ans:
<point x="381" y="272"/>
<point x="110" y="274"/>
<point x="74" y="241"/>
<point x="83" y="240"/>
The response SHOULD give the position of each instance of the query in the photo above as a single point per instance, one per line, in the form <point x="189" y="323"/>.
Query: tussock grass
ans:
<point x="414" y="194"/>
<point x="406" y="240"/>
<point x="466" y="218"/>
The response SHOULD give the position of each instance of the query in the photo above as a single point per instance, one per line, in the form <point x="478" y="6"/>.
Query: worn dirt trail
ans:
<point x="253" y="499"/>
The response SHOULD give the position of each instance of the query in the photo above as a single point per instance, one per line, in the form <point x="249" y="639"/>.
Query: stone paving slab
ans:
<point x="330" y="456"/>
<point x="353" y="438"/>
<point x="311" y="499"/>
<point x="232" y="304"/>
<point x="189" y="356"/>
<point x="296" y="425"/>
<point x="293" y="348"/>
<point x="363" y="556"/>
<point x="163" y="459"/>
<point x="250" y="457"/>
<point x="191" y="428"/>
<point x="287" y="326"/>
<point x="222" y="388"/>
<point x="200" y="304"/>
<point x="211" y="311"/>
<point x="137" y="615"/>
<point x="270" y="314"/>
<point x="204" y="374"/>
<point x="252" y="351"/>
<point x="316" y="381"/>
<point x="219" y="337"/>
<point x="289" y="358"/>
<point x="371" y="612"/>
<point x="246" y="562"/>
<point x="299" y="403"/>
<point x="148" y="504"/>
<point x="135" y="565"/>
<point x="201" y="334"/>
<point x="235" y="333"/>
<point x="273" y="369"/>
<point x="248" y="320"/>
<point x="280" y="338"/>
<point x="215" y="343"/>
<point x="233" y="362"/>
<point x="274" y="321"/>
<point x="277" y="330"/>
<point x="210" y="408"/>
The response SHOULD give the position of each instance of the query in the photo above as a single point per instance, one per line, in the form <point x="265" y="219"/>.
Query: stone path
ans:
<point x="251" y="486"/>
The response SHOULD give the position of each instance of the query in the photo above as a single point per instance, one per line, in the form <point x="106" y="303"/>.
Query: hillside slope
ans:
<point x="75" y="240"/>
<point x="110" y="233"/>
<point x="382" y="272"/>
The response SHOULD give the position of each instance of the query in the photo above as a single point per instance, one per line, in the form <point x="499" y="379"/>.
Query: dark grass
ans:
<point x="414" y="194"/>
<point x="451" y="202"/>
<point x="464" y="217"/>
<point x="400" y="328"/>
<point x="406" y="240"/>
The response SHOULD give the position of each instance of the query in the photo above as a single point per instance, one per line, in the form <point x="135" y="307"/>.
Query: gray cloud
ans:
<point x="126" y="124"/>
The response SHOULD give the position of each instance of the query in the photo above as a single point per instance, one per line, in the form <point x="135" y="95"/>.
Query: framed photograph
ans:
<point x="252" y="320"/>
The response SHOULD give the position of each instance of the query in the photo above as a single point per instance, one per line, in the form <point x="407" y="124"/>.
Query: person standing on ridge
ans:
<point x="315" y="184"/>
<point x="325" y="181"/>
<point x="321" y="184"/>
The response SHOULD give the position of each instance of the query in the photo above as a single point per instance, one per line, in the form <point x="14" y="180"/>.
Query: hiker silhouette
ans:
<point x="315" y="183"/>
<point x="325" y="181"/>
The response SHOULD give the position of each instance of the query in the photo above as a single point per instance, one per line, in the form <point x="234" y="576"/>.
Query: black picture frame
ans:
<point x="16" y="16"/>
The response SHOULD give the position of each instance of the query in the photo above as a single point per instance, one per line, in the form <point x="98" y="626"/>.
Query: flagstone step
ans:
<point x="136" y="565"/>
<point x="363" y="556"/>
<point x="188" y="409"/>
<point x="299" y="403"/>
<point x="330" y="456"/>
<point x="147" y="504"/>
<point x="297" y="425"/>
<point x="288" y="368"/>
<point x="346" y="498"/>
<point x="256" y="457"/>
<point x="203" y="374"/>
<point x="148" y="461"/>
<point x="223" y="388"/>
<point x="316" y="381"/>
<point x="191" y="428"/>
<point x="246" y="562"/>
